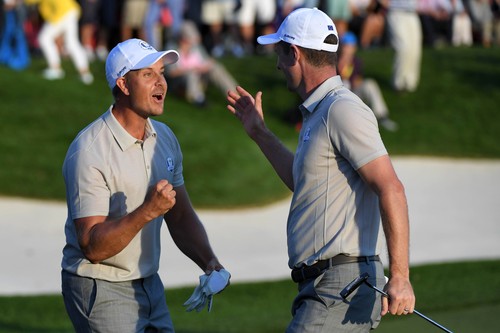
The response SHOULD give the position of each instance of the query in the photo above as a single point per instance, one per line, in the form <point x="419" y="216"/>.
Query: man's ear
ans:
<point x="294" y="53"/>
<point x="121" y="82"/>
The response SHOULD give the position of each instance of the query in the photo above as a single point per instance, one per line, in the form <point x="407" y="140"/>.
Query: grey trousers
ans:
<point x="319" y="308"/>
<point x="102" y="306"/>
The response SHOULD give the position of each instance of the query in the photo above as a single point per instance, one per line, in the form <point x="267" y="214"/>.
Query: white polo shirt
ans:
<point x="107" y="173"/>
<point x="333" y="210"/>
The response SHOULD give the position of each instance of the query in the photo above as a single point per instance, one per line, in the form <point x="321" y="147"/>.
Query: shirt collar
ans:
<point x="122" y="137"/>
<point x="312" y="102"/>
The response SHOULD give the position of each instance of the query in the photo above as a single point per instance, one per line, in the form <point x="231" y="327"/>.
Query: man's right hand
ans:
<point x="247" y="109"/>
<point x="160" y="199"/>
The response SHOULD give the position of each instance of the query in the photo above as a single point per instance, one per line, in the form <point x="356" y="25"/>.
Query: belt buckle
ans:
<point x="309" y="272"/>
<point x="313" y="271"/>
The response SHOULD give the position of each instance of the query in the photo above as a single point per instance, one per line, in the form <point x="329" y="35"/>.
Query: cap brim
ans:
<point x="268" y="39"/>
<point x="169" y="57"/>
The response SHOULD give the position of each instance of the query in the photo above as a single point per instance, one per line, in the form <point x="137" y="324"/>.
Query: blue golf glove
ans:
<point x="209" y="286"/>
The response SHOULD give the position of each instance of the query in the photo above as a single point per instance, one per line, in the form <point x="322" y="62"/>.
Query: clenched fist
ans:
<point x="160" y="198"/>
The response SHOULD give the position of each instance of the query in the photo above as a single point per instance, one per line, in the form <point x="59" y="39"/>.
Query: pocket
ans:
<point x="92" y="297"/>
<point x="326" y="286"/>
<point x="79" y="293"/>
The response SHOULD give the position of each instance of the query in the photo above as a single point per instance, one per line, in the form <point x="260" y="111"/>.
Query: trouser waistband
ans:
<point x="309" y="272"/>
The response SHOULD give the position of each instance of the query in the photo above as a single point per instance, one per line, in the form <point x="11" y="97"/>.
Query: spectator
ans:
<point x="436" y="19"/>
<point x="368" y="22"/>
<point x="405" y="37"/>
<point x="340" y="12"/>
<point x="252" y="14"/>
<point x="482" y="17"/>
<point x="99" y="19"/>
<point x="495" y="8"/>
<point x="462" y="25"/>
<point x="177" y="10"/>
<point x="61" y="18"/>
<point x="14" y="51"/>
<point x="351" y="71"/>
<point x="32" y="25"/>
<point x="219" y="16"/>
<point x="163" y="21"/>
<point x="154" y="20"/>
<point x="190" y="75"/>
<point x="3" y="6"/>
<point x="192" y="11"/>
<point x="133" y="17"/>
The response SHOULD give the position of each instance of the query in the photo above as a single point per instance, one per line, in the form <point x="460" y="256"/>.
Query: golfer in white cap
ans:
<point x="343" y="186"/>
<point x="123" y="176"/>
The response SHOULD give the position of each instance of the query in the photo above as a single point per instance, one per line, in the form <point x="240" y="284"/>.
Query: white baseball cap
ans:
<point x="305" y="27"/>
<point x="134" y="54"/>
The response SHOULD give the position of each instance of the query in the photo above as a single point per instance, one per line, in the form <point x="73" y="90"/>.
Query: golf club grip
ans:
<point x="414" y="310"/>
<point x="354" y="285"/>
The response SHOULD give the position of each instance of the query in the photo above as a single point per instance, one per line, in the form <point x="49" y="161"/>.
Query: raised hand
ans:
<point x="247" y="109"/>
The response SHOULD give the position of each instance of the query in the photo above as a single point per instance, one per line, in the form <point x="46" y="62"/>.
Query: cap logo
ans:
<point x="145" y="45"/>
<point x="288" y="36"/>
<point x="120" y="72"/>
<point x="330" y="27"/>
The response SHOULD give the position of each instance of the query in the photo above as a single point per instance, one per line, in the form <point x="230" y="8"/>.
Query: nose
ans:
<point x="161" y="80"/>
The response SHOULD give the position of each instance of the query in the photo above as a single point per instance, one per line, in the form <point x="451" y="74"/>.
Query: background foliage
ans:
<point x="454" y="113"/>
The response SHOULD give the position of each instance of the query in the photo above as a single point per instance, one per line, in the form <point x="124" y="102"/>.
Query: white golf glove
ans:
<point x="209" y="286"/>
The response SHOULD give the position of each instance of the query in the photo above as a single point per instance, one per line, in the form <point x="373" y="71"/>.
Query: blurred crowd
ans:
<point x="204" y="30"/>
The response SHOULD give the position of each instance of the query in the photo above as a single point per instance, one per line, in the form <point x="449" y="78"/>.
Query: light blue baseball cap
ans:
<point x="134" y="54"/>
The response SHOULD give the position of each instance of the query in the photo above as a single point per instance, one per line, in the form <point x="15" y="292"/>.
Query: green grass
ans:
<point x="455" y="110"/>
<point x="465" y="297"/>
<point x="454" y="113"/>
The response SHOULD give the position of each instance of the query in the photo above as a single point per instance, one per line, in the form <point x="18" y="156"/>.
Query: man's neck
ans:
<point x="133" y="123"/>
<point x="315" y="79"/>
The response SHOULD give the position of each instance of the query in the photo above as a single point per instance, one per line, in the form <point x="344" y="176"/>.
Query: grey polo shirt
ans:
<point x="333" y="211"/>
<point x="107" y="173"/>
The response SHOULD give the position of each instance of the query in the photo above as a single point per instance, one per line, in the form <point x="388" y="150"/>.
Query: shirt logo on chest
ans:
<point x="170" y="164"/>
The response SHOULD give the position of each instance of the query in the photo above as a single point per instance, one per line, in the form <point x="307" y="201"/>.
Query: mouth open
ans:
<point x="158" y="97"/>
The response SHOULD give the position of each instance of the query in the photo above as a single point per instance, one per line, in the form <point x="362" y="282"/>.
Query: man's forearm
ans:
<point x="280" y="157"/>
<point x="105" y="238"/>
<point x="397" y="233"/>
<point x="192" y="239"/>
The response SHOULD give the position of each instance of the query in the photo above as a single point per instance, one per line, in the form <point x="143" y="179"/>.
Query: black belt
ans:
<point x="309" y="272"/>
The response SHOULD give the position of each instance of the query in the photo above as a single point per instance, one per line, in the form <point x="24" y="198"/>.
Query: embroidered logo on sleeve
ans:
<point x="170" y="164"/>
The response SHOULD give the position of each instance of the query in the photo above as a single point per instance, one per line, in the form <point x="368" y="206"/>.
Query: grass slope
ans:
<point x="453" y="113"/>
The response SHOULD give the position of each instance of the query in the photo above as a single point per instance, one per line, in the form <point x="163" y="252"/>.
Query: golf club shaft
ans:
<point x="414" y="311"/>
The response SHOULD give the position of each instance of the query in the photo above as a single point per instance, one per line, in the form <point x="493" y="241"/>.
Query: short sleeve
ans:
<point x="354" y="132"/>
